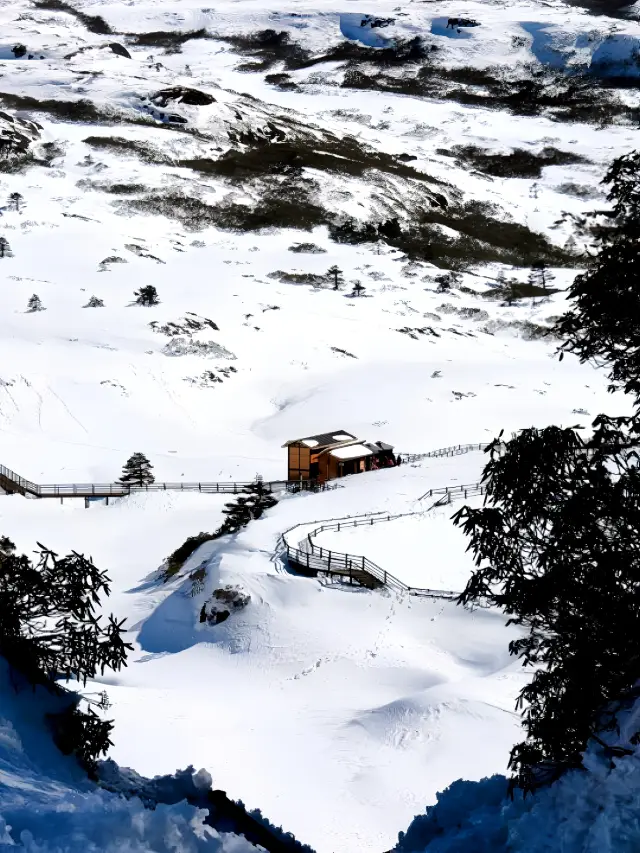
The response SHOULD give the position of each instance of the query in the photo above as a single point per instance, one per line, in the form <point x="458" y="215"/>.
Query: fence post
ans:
<point x="307" y="559"/>
<point x="320" y="552"/>
<point x="329" y="560"/>
<point x="363" y="563"/>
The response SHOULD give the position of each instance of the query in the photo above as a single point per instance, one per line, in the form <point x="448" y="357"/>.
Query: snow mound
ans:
<point x="47" y="805"/>
<point x="592" y="811"/>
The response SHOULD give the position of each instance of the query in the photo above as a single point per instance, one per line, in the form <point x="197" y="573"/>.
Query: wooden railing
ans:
<point x="14" y="483"/>
<point x="318" y="560"/>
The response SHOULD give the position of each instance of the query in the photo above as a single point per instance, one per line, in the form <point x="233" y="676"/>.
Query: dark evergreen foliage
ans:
<point x="257" y="498"/>
<point x="5" y="248"/>
<point x="34" y="304"/>
<point x="335" y="274"/>
<point x="557" y="542"/>
<point x="147" y="295"/>
<point x="137" y="471"/>
<point x="94" y="302"/>
<point x="248" y="506"/>
<point x="49" y="631"/>
<point x="603" y="325"/>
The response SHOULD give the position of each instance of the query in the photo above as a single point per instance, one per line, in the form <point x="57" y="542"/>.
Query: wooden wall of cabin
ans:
<point x="299" y="461"/>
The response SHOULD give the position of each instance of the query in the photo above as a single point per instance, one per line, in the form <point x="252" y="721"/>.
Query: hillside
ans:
<point x="230" y="157"/>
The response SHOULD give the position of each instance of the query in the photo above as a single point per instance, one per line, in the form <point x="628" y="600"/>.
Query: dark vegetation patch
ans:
<point x="307" y="249"/>
<point x="94" y="23"/>
<point x="578" y="98"/>
<point x="483" y="238"/>
<point x="82" y="110"/>
<point x="171" y="41"/>
<point x="518" y="163"/>
<point x="344" y="156"/>
<point x="179" y="557"/>
<point x="183" y="95"/>
<point x="142" y="150"/>
<point x="282" y="82"/>
<point x="268" y="47"/>
<point x="282" y="206"/>
<point x="299" y="278"/>
<point x="518" y="290"/>
<point x="112" y="189"/>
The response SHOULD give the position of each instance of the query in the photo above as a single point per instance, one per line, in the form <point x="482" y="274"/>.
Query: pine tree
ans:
<point x="540" y="276"/>
<point x="147" y="295"/>
<point x="35" y="304"/>
<point x="94" y="302"/>
<point x="557" y="543"/>
<point x="358" y="288"/>
<point x="16" y="201"/>
<point x="603" y="324"/>
<point x="257" y="498"/>
<point x="49" y="631"/>
<point x="5" y="248"/>
<point x="335" y="273"/>
<point x="137" y="471"/>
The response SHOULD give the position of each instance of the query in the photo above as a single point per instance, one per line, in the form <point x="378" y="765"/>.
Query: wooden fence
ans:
<point x="313" y="559"/>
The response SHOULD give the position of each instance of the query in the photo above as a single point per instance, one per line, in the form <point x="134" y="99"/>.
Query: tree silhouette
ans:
<point x="16" y="201"/>
<point x="49" y="631"/>
<point x="358" y="288"/>
<point x="257" y="498"/>
<point x="94" y="302"/>
<point x="5" y="248"/>
<point x="35" y="304"/>
<point x="137" y="471"/>
<point x="557" y="542"/>
<point x="540" y="275"/>
<point x="335" y="273"/>
<point x="147" y="295"/>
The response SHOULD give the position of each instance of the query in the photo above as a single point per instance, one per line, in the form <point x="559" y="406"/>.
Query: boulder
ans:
<point x="120" y="50"/>
<point x="183" y="95"/>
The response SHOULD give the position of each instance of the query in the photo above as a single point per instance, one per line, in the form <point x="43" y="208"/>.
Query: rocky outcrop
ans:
<point x="17" y="136"/>
<point x="182" y="95"/>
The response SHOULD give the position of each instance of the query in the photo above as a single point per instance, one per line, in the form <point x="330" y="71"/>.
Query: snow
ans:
<point x="362" y="704"/>
<point x="48" y="805"/>
<point x="583" y="812"/>
<point x="354" y="451"/>
<point x="424" y="551"/>
<point x="310" y="442"/>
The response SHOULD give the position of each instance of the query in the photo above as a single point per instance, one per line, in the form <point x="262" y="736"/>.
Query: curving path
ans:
<point x="311" y="559"/>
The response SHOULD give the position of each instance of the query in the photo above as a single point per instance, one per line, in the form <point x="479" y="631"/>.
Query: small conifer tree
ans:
<point x="335" y="274"/>
<point x="35" y="304"/>
<point x="5" y="248"/>
<point x="94" y="302"/>
<point x="137" y="471"/>
<point x="147" y="295"/>
<point x="16" y="201"/>
<point x="358" y="288"/>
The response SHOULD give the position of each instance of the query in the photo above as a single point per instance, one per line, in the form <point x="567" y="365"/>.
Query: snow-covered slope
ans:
<point x="586" y="811"/>
<point x="48" y="805"/>
<point x="338" y="712"/>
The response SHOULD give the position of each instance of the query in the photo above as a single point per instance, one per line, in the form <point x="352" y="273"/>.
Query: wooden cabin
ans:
<point x="334" y="454"/>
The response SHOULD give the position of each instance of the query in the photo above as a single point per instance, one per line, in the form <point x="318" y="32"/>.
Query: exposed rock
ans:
<point x="183" y="95"/>
<point x="184" y="346"/>
<point x="187" y="326"/>
<point x="16" y="137"/>
<point x="120" y="50"/>
<point x="223" y="603"/>
<point x="407" y="158"/>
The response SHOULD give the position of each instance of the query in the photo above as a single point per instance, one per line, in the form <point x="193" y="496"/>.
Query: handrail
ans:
<point x="327" y="561"/>
<point x="9" y="479"/>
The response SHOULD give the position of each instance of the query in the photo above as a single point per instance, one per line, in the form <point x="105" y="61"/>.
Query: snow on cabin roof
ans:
<point x="353" y="451"/>
<point x="324" y="439"/>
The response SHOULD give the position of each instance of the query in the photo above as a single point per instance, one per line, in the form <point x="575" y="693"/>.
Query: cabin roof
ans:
<point x="352" y="451"/>
<point x="324" y="439"/>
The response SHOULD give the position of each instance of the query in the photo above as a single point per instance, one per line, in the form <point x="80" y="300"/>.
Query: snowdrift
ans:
<point x="586" y="811"/>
